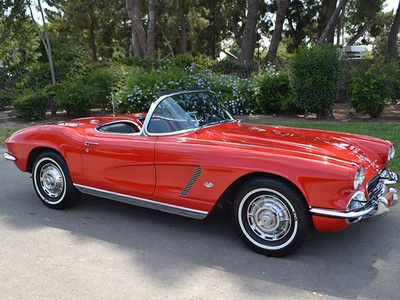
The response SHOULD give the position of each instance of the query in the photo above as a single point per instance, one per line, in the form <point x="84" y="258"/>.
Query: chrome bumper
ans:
<point x="381" y="199"/>
<point x="8" y="156"/>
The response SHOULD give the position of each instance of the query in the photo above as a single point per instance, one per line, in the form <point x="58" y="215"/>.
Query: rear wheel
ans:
<point x="52" y="181"/>
<point x="270" y="217"/>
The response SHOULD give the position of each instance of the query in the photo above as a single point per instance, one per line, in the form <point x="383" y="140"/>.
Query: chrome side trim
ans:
<point x="169" y="208"/>
<point x="339" y="214"/>
<point x="8" y="156"/>
<point x="191" y="182"/>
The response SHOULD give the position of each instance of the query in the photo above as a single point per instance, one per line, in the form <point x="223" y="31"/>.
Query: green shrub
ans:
<point x="226" y="66"/>
<point x="31" y="104"/>
<point x="38" y="76"/>
<point x="315" y="73"/>
<point x="233" y="91"/>
<point x="75" y="97"/>
<point x="142" y="87"/>
<point x="82" y="69"/>
<point x="9" y="75"/>
<point x="179" y="61"/>
<point x="272" y="92"/>
<point x="371" y="86"/>
<point x="102" y="82"/>
<point x="6" y="98"/>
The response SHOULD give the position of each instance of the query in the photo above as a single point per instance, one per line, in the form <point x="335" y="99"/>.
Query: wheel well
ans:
<point x="228" y="195"/>
<point x="35" y="153"/>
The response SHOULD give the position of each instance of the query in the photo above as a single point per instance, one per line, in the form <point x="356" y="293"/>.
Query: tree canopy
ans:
<point x="247" y="31"/>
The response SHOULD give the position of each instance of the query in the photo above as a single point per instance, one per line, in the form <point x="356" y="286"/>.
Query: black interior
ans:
<point x="120" y="127"/>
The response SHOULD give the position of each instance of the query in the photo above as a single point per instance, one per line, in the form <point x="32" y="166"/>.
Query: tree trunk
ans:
<point x="47" y="39"/>
<point x="137" y="46"/>
<point x="137" y="31"/>
<point x="143" y="46"/>
<point x="339" y="28"/>
<point x="128" y="44"/>
<point x="249" y="34"/>
<point x="332" y="22"/>
<point x="231" y="55"/>
<point x="183" y="32"/>
<point x="213" y="30"/>
<point x="282" y="6"/>
<point x="151" y="29"/>
<point x="47" y="47"/>
<point x="14" y="54"/>
<point x="360" y="32"/>
<point x="394" y="31"/>
<point x="92" y="36"/>
<point x="234" y="23"/>
<point x="331" y="6"/>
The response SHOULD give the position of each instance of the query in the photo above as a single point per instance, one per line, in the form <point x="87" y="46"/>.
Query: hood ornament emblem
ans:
<point x="208" y="184"/>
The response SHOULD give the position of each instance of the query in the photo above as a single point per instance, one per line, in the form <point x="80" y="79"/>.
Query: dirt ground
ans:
<point x="341" y="113"/>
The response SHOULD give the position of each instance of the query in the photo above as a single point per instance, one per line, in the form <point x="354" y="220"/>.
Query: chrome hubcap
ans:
<point x="52" y="180"/>
<point x="269" y="218"/>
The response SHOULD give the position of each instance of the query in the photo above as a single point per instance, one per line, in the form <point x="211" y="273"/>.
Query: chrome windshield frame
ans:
<point x="154" y="105"/>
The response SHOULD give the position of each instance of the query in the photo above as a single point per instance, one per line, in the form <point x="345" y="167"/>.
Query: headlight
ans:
<point x="391" y="153"/>
<point x="357" y="201"/>
<point x="359" y="178"/>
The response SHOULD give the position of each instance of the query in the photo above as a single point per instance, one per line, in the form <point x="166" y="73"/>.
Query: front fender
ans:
<point x="67" y="142"/>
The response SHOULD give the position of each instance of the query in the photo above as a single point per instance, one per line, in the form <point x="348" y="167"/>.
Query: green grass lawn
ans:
<point x="5" y="133"/>
<point x="387" y="131"/>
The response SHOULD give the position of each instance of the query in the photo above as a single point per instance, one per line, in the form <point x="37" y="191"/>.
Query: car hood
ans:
<point x="366" y="151"/>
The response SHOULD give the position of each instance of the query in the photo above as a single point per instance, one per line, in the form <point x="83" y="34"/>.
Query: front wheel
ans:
<point x="52" y="181"/>
<point x="270" y="217"/>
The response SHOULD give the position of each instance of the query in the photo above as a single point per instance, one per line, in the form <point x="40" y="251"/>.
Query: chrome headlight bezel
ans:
<point x="357" y="201"/>
<point x="359" y="178"/>
<point x="391" y="152"/>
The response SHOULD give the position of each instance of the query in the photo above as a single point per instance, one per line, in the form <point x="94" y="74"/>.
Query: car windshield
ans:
<point x="187" y="111"/>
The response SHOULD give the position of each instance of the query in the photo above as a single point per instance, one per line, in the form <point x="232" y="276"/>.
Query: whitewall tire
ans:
<point x="270" y="216"/>
<point x="52" y="181"/>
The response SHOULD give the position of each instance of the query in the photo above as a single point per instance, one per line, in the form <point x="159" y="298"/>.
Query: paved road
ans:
<point x="102" y="249"/>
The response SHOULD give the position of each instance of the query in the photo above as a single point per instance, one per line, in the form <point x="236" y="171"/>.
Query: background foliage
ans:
<point x="371" y="86"/>
<point x="315" y="73"/>
<point x="221" y="45"/>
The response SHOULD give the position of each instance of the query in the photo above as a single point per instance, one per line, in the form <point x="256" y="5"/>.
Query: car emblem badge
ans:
<point x="208" y="184"/>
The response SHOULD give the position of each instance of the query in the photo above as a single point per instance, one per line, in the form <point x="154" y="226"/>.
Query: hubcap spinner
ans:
<point x="268" y="217"/>
<point x="51" y="180"/>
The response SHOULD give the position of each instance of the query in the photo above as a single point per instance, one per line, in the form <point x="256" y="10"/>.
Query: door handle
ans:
<point x="87" y="144"/>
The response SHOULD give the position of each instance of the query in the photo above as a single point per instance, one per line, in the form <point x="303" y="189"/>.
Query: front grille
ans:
<point x="373" y="183"/>
<point x="375" y="187"/>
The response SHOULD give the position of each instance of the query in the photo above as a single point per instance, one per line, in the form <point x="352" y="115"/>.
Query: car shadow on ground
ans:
<point x="171" y="247"/>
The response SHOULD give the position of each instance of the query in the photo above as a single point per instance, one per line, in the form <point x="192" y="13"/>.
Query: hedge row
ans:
<point x="307" y="85"/>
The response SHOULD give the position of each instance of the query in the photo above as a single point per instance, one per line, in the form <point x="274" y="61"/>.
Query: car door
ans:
<point x="120" y="163"/>
<point x="189" y="173"/>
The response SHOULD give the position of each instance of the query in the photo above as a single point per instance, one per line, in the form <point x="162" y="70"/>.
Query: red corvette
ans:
<point x="188" y="154"/>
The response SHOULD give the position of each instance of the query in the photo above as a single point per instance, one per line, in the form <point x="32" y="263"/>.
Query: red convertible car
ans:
<point x="187" y="155"/>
